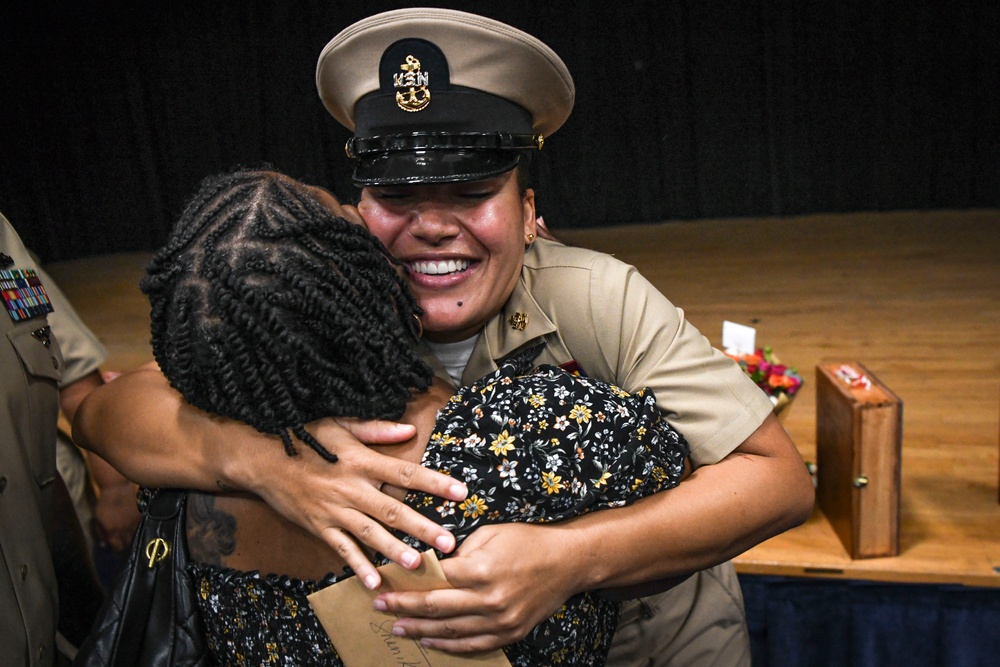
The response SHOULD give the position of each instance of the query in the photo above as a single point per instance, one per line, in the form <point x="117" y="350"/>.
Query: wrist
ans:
<point x="592" y="567"/>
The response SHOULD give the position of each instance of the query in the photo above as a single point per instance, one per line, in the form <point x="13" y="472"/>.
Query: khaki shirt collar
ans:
<point x="520" y="322"/>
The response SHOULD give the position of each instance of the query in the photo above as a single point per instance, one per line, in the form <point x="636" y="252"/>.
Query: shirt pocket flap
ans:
<point x="38" y="351"/>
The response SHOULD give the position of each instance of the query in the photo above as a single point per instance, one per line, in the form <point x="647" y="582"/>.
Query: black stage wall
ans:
<point x="111" y="112"/>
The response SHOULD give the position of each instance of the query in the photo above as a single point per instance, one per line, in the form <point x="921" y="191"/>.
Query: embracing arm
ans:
<point x="758" y="491"/>
<point x="115" y="514"/>
<point x="145" y="429"/>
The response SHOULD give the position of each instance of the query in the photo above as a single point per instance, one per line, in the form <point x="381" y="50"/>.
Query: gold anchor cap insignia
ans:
<point x="518" y="321"/>
<point x="412" y="92"/>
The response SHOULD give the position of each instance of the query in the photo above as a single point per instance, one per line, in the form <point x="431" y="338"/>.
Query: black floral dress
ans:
<point x="532" y="445"/>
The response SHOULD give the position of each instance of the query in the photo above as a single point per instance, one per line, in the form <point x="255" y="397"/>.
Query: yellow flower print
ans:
<point x="641" y="431"/>
<point x="580" y="413"/>
<point x="292" y="606"/>
<point x="442" y="439"/>
<point x="602" y="480"/>
<point x="619" y="392"/>
<point x="502" y="444"/>
<point x="473" y="506"/>
<point x="551" y="482"/>
<point x="536" y="400"/>
<point x="542" y="425"/>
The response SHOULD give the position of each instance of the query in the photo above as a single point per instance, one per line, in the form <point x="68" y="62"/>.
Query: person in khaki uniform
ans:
<point x="564" y="297"/>
<point x="48" y="349"/>
<point x="446" y="108"/>
<point x="31" y="367"/>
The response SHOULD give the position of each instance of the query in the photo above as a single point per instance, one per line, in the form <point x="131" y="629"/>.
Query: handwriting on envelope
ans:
<point x="363" y="636"/>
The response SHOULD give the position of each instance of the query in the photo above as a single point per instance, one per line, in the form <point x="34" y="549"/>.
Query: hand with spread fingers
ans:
<point x="341" y="503"/>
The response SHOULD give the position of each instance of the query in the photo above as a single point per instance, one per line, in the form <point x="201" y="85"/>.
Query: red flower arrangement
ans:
<point x="777" y="380"/>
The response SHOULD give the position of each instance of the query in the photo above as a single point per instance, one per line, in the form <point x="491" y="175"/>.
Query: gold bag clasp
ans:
<point x="156" y="551"/>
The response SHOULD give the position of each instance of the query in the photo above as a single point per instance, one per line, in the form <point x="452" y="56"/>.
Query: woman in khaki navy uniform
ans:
<point x="445" y="106"/>
<point x="573" y="299"/>
<point x="31" y="367"/>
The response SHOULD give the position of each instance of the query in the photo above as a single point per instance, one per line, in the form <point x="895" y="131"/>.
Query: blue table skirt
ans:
<point x="808" y="622"/>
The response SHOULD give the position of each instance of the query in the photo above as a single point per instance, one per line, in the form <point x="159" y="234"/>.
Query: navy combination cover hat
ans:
<point x="438" y="95"/>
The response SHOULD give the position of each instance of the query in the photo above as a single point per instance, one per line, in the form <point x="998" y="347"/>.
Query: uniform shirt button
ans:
<point x="3" y="484"/>
<point x="24" y="572"/>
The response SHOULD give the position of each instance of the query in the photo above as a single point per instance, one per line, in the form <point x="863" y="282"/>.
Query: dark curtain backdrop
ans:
<point x="112" y="112"/>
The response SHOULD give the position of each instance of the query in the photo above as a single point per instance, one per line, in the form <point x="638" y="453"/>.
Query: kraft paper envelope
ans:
<point x="363" y="636"/>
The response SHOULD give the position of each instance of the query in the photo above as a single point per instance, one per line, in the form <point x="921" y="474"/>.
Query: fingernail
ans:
<point x="371" y="581"/>
<point x="458" y="491"/>
<point x="408" y="559"/>
<point x="398" y="631"/>
<point x="380" y="605"/>
<point x="445" y="543"/>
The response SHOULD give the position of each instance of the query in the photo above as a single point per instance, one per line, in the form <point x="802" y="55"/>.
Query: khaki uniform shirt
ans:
<point x="31" y="371"/>
<point x="600" y="313"/>
<point x="82" y="354"/>
<point x="600" y="316"/>
<point x="82" y="351"/>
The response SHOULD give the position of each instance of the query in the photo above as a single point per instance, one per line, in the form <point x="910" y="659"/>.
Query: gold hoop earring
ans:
<point x="420" y="327"/>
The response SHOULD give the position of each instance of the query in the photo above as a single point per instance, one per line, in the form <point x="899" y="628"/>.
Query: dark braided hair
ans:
<point x="267" y="308"/>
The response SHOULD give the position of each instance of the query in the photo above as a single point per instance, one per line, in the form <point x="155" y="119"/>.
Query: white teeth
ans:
<point x="440" y="268"/>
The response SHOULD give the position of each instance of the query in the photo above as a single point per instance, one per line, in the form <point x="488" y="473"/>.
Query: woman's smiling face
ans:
<point x="463" y="244"/>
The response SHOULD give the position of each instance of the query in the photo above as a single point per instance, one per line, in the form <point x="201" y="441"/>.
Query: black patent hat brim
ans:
<point x="433" y="166"/>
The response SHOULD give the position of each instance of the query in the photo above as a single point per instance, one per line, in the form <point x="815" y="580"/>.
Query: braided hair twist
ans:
<point x="267" y="308"/>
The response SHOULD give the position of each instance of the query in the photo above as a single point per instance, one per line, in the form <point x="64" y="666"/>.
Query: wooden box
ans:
<point x="859" y="425"/>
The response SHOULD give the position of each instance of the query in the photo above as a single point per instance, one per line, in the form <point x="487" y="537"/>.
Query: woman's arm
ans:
<point x="115" y="514"/>
<point x="144" y="428"/>
<point x="509" y="578"/>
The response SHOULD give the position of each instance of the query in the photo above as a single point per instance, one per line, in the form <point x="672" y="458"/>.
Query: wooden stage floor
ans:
<point x="915" y="296"/>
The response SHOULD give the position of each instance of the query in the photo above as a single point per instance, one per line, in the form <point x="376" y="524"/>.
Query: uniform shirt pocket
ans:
<point x="42" y="363"/>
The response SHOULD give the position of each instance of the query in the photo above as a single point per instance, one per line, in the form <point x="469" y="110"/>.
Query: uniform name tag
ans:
<point x="23" y="294"/>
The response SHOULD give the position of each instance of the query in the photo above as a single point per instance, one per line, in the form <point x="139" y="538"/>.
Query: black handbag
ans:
<point x="151" y="616"/>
